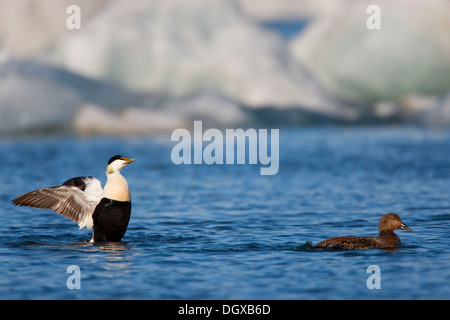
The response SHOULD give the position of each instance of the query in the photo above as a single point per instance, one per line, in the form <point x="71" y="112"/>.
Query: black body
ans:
<point x="111" y="219"/>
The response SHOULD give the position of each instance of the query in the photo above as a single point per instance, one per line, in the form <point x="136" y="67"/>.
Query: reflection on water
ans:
<point x="116" y="256"/>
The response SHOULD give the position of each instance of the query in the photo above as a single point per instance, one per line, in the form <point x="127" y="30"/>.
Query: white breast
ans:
<point x="116" y="188"/>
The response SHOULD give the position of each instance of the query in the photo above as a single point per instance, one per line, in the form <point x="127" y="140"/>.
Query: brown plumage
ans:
<point x="386" y="238"/>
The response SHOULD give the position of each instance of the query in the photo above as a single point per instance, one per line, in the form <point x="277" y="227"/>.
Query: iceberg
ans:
<point x="35" y="97"/>
<point x="30" y="102"/>
<point x="95" y="120"/>
<point x="182" y="47"/>
<point x="28" y="27"/>
<point x="410" y="54"/>
<point x="150" y="66"/>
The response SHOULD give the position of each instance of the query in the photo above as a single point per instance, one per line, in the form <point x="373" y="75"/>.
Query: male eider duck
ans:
<point x="386" y="239"/>
<point x="82" y="200"/>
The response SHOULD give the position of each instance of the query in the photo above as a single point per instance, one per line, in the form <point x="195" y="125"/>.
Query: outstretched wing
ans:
<point x="67" y="200"/>
<point x="92" y="186"/>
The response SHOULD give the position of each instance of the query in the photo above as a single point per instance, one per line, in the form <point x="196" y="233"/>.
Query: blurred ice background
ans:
<point x="146" y="66"/>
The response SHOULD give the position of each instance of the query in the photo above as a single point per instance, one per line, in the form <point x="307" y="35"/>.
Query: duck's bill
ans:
<point x="405" y="227"/>
<point x="127" y="160"/>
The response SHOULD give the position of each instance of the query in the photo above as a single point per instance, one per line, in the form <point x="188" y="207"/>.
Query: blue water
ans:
<point x="225" y="231"/>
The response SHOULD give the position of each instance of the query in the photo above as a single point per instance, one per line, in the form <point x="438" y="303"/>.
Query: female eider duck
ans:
<point x="386" y="239"/>
<point x="82" y="200"/>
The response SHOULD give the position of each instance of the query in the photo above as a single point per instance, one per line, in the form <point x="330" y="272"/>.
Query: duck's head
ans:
<point x="117" y="163"/>
<point x="392" y="221"/>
